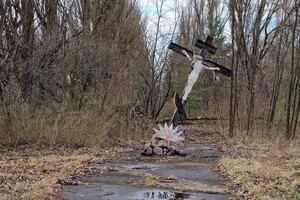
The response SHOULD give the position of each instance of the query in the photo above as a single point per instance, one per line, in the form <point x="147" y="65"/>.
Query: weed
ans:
<point x="265" y="170"/>
<point x="70" y="128"/>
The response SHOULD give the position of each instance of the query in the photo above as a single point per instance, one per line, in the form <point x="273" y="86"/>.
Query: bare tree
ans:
<point x="234" y="78"/>
<point x="293" y="98"/>
<point x="73" y="53"/>
<point x="157" y="73"/>
<point x="253" y="39"/>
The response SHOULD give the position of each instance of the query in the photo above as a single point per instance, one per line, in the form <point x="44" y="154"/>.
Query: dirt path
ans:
<point x="132" y="176"/>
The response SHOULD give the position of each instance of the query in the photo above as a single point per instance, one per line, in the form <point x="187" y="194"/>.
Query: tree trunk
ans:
<point x="276" y="84"/>
<point x="233" y="85"/>
<point x="27" y="19"/>
<point x="293" y="93"/>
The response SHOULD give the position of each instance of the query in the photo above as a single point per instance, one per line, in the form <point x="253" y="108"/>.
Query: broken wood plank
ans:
<point x="180" y="108"/>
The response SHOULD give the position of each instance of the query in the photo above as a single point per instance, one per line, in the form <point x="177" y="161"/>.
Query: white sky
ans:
<point x="169" y="18"/>
<point x="172" y="9"/>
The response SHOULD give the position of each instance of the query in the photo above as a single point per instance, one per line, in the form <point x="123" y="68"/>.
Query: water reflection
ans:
<point x="166" y="195"/>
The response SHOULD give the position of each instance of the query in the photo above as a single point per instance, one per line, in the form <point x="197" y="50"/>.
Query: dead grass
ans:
<point x="33" y="173"/>
<point x="66" y="127"/>
<point x="45" y="146"/>
<point x="265" y="170"/>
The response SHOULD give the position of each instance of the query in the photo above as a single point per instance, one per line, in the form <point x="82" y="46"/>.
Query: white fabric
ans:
<point x="197" y="67"/>
<point x="192" y="78"/>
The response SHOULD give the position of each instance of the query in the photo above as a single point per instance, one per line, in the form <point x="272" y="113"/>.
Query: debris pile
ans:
<point x="162" y="142"/>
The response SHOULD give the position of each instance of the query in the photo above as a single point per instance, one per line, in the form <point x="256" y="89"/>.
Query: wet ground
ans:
<point x="132" y="176"/>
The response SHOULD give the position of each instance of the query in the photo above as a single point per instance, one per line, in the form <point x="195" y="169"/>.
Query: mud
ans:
<point x="132" y="176"/>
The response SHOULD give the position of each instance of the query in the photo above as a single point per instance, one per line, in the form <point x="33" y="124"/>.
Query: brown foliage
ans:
<point x="75" y="61"/>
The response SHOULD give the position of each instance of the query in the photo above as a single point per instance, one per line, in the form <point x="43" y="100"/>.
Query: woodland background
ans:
<point x="86" y="72"/>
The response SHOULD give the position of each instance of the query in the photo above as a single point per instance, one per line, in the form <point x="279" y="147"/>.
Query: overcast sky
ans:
<point x="150" y="10"/>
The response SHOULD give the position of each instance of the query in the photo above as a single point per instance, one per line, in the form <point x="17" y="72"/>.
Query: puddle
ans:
<point x="111" y="177"/>
<point x="137" y="166"/>
<point x="121" y="184"/>
<point x="189" y="170"/>
<point x="126" y="192"/>
<point x="161" y="194"/>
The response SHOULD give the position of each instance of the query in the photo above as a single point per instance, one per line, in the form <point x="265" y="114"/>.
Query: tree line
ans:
<point x="259" y="40"/>
<point x="93" y="61"/>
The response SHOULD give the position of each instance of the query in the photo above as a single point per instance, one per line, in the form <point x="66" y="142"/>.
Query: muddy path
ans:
<point x="132" y="176"/>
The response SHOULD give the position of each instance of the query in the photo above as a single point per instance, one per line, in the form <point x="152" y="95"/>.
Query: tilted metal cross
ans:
<point x="199" y="63"/>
